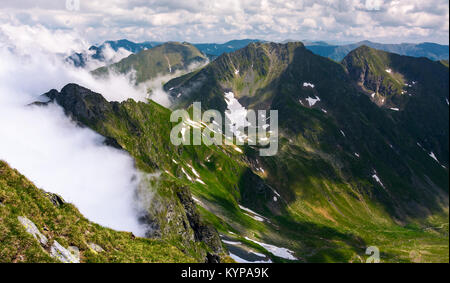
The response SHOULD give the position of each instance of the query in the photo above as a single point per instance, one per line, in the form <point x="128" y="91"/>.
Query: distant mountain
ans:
<point x="432" y="51"/>
<point x="98" y="52"/>
<point x="129" y="45"/>
<point x="161" y="60"/>
<point x="307" y="42"/>
<point x="216" y="49"/>
<point x="211" y="50"/>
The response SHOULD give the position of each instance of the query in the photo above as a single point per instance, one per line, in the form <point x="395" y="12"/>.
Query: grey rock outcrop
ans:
<point x="62" y="254"/>
<point x="57" y="251"/>
<point x="96" y="248"/>
<point x="31" y="229"/>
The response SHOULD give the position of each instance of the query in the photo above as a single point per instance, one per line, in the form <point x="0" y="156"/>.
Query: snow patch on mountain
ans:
<point x="432" y="155"/>
<point x="241" y="260"/>
<point x="312" y="100"/>
<point x="276" y="251"/>
<point x="377" y="179"/>
<point x="236" y="113"/>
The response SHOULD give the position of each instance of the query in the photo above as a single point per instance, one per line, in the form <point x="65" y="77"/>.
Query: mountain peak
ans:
<point x="251" y="73"/>
<point x="292" y="44"/>
<point x="363" y="49"/>
<point x="163" y="59"/>
<point x="373" y="70"/>
<point x="365" y="42"/>
<point x="79" y="101"/>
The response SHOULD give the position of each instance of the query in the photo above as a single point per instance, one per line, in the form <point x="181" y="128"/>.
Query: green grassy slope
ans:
<point x="143" y="130"/>
<point x="161" y="60"/>
<point x="63" y="223"/>
<point x="324" y="213"/>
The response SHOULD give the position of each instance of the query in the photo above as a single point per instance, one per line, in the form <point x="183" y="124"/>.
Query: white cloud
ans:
<point x="111" y="56"/>
<point x="41" y="53"/>
<point x="310" y="23"/>
<point x="38" y="38"/>
<point x="374" y="5"/>
<point x="201" y="20"/>
<point x="46" y="146"/>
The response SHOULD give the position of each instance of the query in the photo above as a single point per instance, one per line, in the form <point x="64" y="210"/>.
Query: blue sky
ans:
<point x="219" y="21"/>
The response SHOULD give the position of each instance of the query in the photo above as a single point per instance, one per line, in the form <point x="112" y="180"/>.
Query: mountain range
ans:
<point x="429" y="50"/>
<point x="97" y="52"/>
<point x="211" y="50"/>
<point x="432" y="51"/>
<point x="362" y="160"/>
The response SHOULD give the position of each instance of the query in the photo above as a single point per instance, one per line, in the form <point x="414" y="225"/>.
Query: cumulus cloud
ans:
<point x="37" y="38"/>
<point x="201" y="20"/>
<point x="36" y="60"/>
<point x="112" y="56"/>
<point x="92" y="59"/>
<point x="46" y="146"/>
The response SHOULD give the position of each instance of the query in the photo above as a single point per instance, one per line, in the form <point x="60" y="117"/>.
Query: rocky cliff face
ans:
<point x="371" y="69"/>
<point x="202" y="232"/>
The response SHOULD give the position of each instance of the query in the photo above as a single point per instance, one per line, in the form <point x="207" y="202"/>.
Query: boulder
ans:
<point x="95" y="248"/>
<point x="62" y="254"/>
<point x="31" y="229"/>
